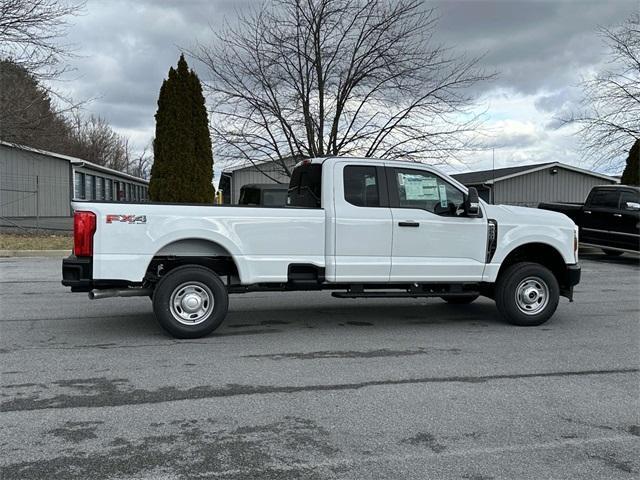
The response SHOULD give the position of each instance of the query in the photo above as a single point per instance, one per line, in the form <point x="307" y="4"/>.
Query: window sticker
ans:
<point x="419" y="187"/>
<point x="443" y="195"/>
<point x="429" y="189"/>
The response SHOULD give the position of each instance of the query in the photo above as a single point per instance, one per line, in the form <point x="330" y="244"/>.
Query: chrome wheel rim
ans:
<point x="532" y="295"/>
<point x="191" y="303"/>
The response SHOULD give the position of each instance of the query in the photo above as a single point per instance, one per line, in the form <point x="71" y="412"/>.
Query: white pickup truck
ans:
<point x="358" y="226"/>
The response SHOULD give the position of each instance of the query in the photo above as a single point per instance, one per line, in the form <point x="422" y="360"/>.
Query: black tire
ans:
<point x="460" y="299"/>
<point x="612" y="253"/>
<point x="201" y="284"/>
<point x="539" y="279"/>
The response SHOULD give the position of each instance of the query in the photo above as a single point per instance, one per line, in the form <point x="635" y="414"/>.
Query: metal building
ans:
<point x="233" y="179"/>
<point x="528" y="185"/>
<point x="36" y="183"/>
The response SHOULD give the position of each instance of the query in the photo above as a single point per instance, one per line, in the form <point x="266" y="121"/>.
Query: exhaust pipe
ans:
<point x="120" y="292"/>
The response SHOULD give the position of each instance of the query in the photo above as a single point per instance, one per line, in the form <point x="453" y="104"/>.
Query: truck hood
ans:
<point x="527" y="216"/>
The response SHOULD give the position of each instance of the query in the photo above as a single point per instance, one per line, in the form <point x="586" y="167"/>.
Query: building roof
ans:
<point x="257" y="164"/>
<point x="499" y="174"/>
<point x="77" y="162"/>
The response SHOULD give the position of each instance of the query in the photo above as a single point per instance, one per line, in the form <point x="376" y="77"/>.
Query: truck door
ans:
<point x="362" y="223"/>
<point x="598" y="217"/>
<point x="431" y="240"/>
<point x="629" y="220"/>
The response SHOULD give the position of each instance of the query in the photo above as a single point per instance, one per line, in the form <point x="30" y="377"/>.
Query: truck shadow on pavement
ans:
<point x="245" y="320"/>
<point x="626" y="259"/>
<point x="363" y="315"/>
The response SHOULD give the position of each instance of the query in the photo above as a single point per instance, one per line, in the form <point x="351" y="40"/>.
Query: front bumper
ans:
<point x="77" y="273"/>
<point x="571" y="279"/>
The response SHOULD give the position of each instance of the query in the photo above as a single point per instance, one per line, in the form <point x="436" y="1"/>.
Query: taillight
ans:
<point x="84" y="226"/>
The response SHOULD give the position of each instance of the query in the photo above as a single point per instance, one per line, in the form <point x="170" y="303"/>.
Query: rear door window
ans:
<point x="305" y="187"/>
<point x="361" y="186"/>
<point x="605" y="199"/>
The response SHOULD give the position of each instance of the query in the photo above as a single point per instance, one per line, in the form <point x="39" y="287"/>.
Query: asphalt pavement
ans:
<point x="306" y="386"/>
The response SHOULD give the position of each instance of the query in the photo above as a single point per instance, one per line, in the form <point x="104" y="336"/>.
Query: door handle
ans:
<point x="409" y="224"/>
<point x="617" y="215"/>
<point x="588" y="211"/>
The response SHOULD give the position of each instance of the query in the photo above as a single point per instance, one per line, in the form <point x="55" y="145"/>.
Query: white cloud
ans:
<point x="540" y="49"/>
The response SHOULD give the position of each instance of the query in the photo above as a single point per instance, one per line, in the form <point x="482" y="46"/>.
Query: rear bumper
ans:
<point x="572" y="278"/>
<point x="77" y="273"/>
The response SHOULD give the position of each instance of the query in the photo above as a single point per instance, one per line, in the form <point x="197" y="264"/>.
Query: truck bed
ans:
<point x="263" y="240"/>
<point x="571" y="210"/>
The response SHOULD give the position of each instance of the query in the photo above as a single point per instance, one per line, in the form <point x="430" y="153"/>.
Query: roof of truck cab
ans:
<point x="399" y="163"/>
<point x="621" y="186"/>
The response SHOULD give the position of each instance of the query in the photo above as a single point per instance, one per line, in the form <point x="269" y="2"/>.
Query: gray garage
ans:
<point x="528" y="185"/>
<point x="38" y="184"/>
<point x="234" y="178"/>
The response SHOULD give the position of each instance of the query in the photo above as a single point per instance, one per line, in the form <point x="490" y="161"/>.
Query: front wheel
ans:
<point x="527" y="294"/>
<point x="190" y="301"/>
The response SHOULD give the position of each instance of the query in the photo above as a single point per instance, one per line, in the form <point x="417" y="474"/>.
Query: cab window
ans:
<point x="361" y="186"/>
<point x="424" y="190"/>
<point x="249" y="196"/>
<point x="274" y="198"/>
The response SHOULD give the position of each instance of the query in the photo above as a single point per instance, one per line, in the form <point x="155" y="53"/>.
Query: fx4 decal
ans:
<point x="126" y="218"/>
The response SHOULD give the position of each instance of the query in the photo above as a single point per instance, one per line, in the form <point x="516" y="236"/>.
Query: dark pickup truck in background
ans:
<point x="264" y="195"/>
<point x="609" y="219"/>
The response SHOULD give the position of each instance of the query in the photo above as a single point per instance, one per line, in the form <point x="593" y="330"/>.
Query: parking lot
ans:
<point x="302" y="385"/>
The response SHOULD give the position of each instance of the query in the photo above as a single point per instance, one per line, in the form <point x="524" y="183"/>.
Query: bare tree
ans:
<point x="306" y="78"/>
<point x="30" y="32"/>
<point x="31" y="52"/>
<point x="27" y="113"/>
<point x="94" y="140"/>
<point x="140" y="164"/>
<point x="609" y="118"/>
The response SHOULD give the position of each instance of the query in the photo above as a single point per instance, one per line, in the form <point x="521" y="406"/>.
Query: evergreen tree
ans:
<point x="183" y="161"/>
<point x="631" y="174"/>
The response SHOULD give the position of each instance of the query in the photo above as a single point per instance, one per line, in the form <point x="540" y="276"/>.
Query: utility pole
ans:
<point x="37" y="203"/>
<point x="493" y="174"/>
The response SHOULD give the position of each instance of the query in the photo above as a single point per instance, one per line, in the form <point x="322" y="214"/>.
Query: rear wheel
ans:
<point x="527" y="294"/>
<point x="190" y="301"/>
<point x="460" y="299"/>
<point x="612" y="253"/>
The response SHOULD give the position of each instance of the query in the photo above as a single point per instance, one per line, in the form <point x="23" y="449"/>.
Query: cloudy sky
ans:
<point x="540" y="49"/>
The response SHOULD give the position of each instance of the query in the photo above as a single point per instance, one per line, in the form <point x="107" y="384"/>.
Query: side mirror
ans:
<point x="472" y="203"/>
<point x="633" y="206"/>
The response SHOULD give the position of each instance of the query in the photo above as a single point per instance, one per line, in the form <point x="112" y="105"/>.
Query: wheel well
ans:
<point x="192" y="251"/>
<point x="537" y="253"/>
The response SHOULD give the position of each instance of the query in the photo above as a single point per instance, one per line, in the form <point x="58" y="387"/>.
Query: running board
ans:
<point x="401" y="294"/>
